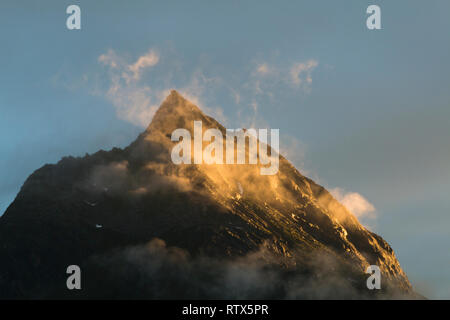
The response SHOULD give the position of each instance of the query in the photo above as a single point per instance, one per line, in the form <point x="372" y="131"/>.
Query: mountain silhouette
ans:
<point x="140" y="226"/>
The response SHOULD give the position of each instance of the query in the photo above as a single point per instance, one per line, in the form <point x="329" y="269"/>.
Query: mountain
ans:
<point x="140" y="226"/>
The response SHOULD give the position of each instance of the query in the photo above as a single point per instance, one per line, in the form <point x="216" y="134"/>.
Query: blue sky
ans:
<point x="367" y="112"/>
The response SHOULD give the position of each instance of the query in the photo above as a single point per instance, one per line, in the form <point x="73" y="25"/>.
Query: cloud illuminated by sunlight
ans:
<point x="355" y="203"/>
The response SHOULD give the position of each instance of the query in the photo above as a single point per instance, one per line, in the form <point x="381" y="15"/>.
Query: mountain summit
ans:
<point x="140" y="226"/>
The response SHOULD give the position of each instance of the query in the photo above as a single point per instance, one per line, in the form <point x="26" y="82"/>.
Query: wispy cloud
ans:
<point x="355" y="203"/>
<point x="298" y="74"/>
<point x="136" y="101"/>
<point x="267" y="83"/>
<point x="263" y="69"/>
<point x="148" y="60"/>
<point x="133" y="101"/>
<point x="301" y="72"/>
<point x="110" y="58"/>
<point x="136" y="88"/>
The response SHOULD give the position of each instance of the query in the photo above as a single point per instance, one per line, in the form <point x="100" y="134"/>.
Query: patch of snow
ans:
<point x="92" y="204"/>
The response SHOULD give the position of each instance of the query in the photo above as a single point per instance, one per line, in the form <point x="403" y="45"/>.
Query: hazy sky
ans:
<point x="364" y="111"/>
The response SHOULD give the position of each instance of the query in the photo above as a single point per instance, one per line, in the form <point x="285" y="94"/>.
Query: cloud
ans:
<point x="148" y="60"/>
<point x="134" y="102"/>
<point x="110" y="59"/>
<point x="110" y="177"/>
<point x="266" y="82"/>
<point x="131" y="71"/>
<point x="294" y="150"/>
<point x="263" y="78"/>
<point x="137" y="102"/>
<point x="355" y="203"/>
<point x="301" y="72"/>
<point x="263" y="69"/>
<point x="116" y="178"/>
<point x="157" y="271"/>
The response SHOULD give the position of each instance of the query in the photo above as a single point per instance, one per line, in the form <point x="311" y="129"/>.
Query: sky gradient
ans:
<point x="361" y="112"/>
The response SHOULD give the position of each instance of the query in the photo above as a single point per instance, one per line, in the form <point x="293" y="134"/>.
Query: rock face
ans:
<point x="140" y="226"/>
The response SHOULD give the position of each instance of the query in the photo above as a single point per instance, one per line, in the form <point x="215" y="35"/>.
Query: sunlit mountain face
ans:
<point x="141" y="226"/>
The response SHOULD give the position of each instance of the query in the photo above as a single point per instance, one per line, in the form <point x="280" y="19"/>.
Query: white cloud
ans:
<point x="355" y="203"/>
<point x="262" y="78"/>
<point x="265" y="83"/>
<point x="134" y="102"/>
<point x="148" y="60"/>
<point x="110" y="59"/>
<point x="266" y="79"/>
<point x="263" y="69"/>
<point x="301" y="72"/>
<point x="137" y="102"/>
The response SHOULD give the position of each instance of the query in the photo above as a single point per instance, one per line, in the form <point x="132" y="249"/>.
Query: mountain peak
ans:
<point x="175" y="100"/>
<point x="176" y="112"/>
<point x="175" y="93"/>
<point x="174" y="96"/>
